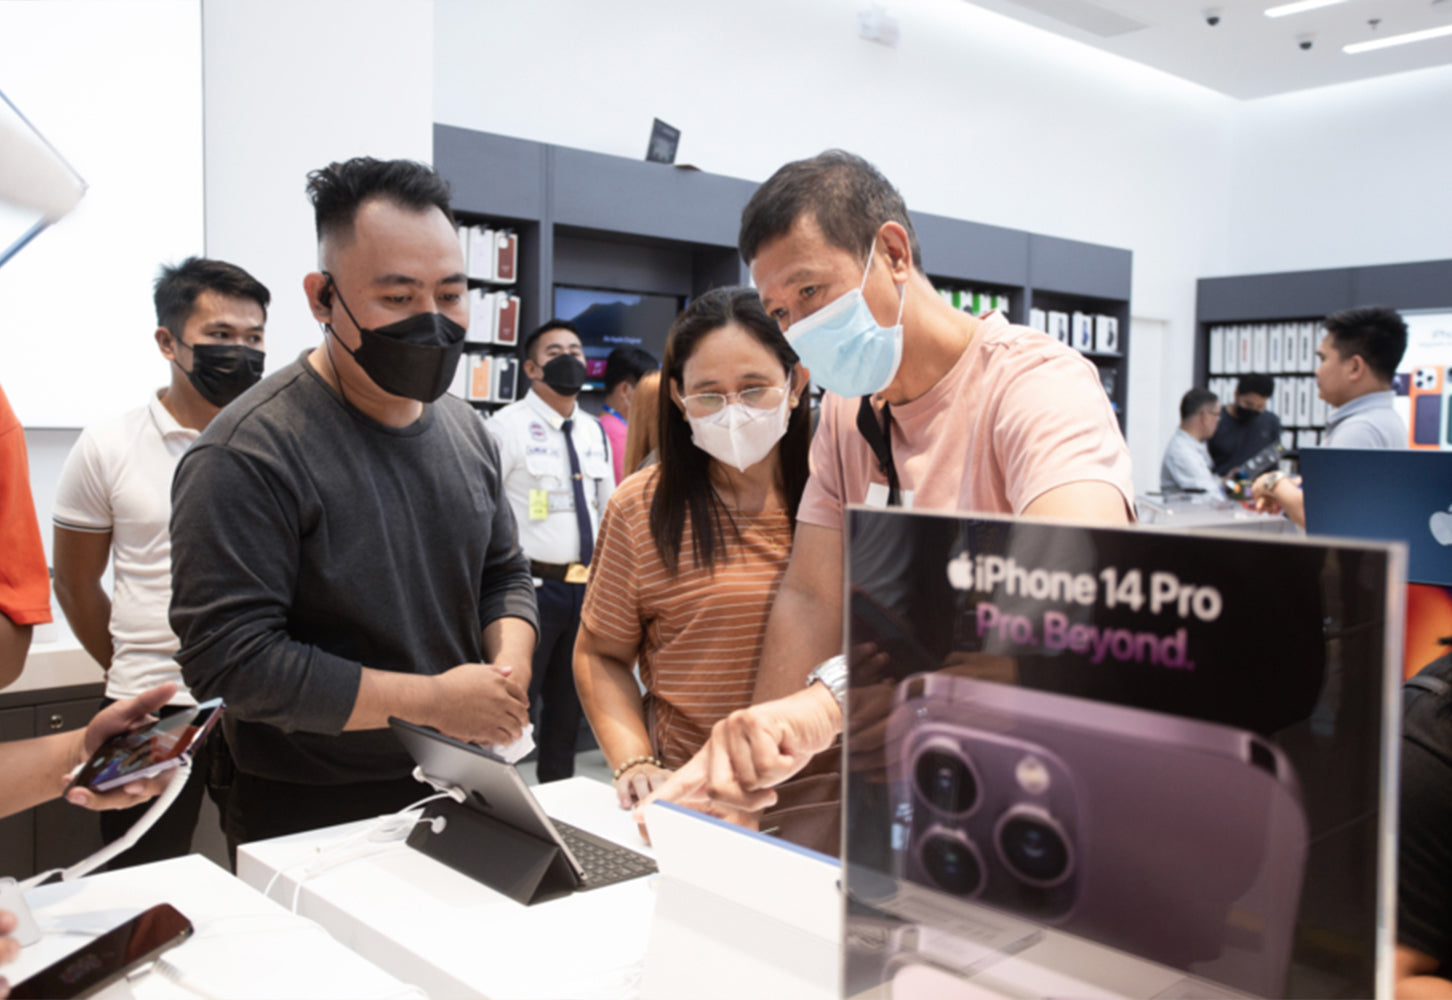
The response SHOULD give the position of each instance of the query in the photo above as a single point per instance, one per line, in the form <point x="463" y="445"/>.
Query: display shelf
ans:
<point x="606" y="223"/>
<point x="1255" y="306"/>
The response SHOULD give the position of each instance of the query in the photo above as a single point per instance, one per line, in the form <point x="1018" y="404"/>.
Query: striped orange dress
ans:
<point x="698" y="634"/>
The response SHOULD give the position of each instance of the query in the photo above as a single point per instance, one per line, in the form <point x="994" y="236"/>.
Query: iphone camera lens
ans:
<point x="1034" y="848"/>
<point x="945" y="781"/>
<point x="952" y="863"/>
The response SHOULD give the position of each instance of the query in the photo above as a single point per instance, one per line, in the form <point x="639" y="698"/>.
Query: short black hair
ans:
<point x="1376" y="333"/>
<point x="847" y="196"/>
<point x="177" y="287"/>
<point x="338" y="190"/>
<point x="1194" y="401"/>
<point x="627" y="364"/>
<point x="544" y="328"/>
<point x="1256" y="385"/>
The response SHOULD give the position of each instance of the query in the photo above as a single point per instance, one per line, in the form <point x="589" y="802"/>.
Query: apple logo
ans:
<point x="960" y="570"/>
<point x="1441" y="525"/>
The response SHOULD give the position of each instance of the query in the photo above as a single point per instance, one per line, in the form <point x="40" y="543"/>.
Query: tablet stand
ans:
<point x="524" y="868"/>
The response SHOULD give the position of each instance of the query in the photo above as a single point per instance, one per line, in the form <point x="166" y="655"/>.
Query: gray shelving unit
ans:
<point x="1309" y="296"/>
<point x="608" y="222"/>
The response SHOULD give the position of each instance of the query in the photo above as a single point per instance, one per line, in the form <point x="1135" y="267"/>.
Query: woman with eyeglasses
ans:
<point x="691" y="550"/>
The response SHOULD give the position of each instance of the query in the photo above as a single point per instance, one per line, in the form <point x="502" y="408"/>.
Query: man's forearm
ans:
<point x="33" y="768"/>
<point x="382" y="693"/>
<point x="510" y="641"/>
<point x="803" y="631"/>
<point x="88" y="612"/>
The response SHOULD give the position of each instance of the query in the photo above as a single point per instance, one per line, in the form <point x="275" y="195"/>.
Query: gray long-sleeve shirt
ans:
<point x="308" y="541"/>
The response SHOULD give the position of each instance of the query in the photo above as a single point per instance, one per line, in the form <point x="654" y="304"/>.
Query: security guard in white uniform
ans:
<point x="555" y="461"/>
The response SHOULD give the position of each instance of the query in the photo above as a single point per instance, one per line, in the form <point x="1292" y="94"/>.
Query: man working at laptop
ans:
<point x="1358" y="359"/>
<point x="341" y="545"/>
<point x="926" y="407"/>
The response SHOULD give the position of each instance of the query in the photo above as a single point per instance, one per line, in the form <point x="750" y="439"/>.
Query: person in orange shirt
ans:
<point x="24" y="577"/>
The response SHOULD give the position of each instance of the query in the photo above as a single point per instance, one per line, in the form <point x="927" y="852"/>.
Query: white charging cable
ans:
<point x="383" y="832"/>
<point x="128" y="840"/>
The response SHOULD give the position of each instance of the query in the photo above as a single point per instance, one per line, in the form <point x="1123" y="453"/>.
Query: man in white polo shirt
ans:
<point x="113" y="504"/>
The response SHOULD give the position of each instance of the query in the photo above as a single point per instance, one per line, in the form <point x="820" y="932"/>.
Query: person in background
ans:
<point x="1246" y="427"/>
<point x="1424" y="851"/>
<point x="623" y="369"/>
<point x="1187" y="467"/>
<point x="24" y="576"/>
<point x="1359" y="355"/>
<point x="692" y="551"/>
<point x="113" y="505"/>
<point x="554" y="463"/>
<point x="341" y="548"/>
<point x="924" y="406"/>
<point x="642" y="438"/>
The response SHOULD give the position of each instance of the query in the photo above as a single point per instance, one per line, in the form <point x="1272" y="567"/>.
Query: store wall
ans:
<point x="972" y="115"/>
<point x="1342" y="176"/>
<point x="288" y="87"/>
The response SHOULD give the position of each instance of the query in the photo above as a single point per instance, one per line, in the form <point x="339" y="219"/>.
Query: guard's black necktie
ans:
<point x="879" y="439"/>
<point x="577" y="483"/>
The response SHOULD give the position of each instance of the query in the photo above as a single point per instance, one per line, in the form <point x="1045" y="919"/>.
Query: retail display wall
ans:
<point x="1271" y="324"/>
<point x="636" y="233"/>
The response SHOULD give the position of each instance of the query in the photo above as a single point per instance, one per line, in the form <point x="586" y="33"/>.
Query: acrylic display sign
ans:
<point x="1116" y="762"/>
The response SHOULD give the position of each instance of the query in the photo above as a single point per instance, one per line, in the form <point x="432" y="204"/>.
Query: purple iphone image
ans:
<point x="1176" y="840"/>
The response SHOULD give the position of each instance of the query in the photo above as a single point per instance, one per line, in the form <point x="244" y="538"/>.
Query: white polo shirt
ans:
<point x="118" y="479"/>
<point x="535" y="467"/>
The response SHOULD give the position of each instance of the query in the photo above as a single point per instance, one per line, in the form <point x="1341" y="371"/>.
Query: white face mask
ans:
<point x="740" y="436"/>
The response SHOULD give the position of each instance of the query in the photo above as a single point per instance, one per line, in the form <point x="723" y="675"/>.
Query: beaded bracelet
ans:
<point x="644" y="758"/>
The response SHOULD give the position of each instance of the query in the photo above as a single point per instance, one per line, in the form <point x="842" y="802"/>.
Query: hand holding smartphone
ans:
<point x="148" y="751"/>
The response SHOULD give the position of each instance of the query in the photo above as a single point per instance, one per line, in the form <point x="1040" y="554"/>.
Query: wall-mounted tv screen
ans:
<point x="607" y="320"/>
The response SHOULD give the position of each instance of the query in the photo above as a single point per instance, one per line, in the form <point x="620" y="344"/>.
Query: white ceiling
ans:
<point x="1247" y="54"/>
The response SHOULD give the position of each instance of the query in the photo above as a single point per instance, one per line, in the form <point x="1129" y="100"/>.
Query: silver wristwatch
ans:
<point x="833" y="675"/>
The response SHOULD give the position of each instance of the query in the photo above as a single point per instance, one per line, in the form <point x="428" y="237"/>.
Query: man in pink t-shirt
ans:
<point x="926" y="407"/>
<point x="623" y="369"/>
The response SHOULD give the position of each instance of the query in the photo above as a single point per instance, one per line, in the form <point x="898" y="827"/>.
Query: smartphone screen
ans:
<point x="109" y="956"/>
<point x="142" y="753"/>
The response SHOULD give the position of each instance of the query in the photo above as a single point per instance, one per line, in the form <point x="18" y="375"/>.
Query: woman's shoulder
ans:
<point x="632" y="498"/>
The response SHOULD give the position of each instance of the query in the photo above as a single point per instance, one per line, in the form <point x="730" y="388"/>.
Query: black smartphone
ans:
<point x="109" y="957"/>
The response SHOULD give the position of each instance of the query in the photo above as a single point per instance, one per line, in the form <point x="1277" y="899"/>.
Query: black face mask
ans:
<point x="414" y="358"/>
<point x="565" y="374"/>
<point x="222" y="372"/>
<point x="1243" y="415"/>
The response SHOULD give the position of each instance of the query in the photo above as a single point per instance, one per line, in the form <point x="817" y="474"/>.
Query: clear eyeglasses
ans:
<point x="758" y="397"/>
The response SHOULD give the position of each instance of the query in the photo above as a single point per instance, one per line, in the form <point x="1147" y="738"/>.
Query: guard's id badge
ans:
<point x="539" y="505"/>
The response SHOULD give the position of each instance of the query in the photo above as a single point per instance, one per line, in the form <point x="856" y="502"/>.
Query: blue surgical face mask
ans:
<point x="843" y="346"/>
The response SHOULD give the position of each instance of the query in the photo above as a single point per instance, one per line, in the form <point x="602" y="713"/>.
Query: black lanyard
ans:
<point x="879" y="439"/>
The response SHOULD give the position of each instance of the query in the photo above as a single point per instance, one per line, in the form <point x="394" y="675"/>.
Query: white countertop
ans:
<point x="54" y="664"/>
